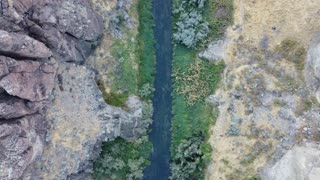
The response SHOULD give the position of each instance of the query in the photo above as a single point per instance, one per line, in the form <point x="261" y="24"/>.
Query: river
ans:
<point x="160" y="134"/>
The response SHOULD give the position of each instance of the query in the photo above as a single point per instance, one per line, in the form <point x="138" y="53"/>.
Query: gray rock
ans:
<point x="80" y="120"/>
<point x="214" y="52"/>
<point x="300" y="163"/>
<point x="312" y="73"/>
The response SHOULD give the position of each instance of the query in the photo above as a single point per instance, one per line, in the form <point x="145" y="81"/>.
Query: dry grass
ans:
<point x="198" y="81"/>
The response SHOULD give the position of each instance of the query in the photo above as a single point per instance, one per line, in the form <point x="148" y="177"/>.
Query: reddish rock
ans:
<point x="28" y="80"/>
<point x="18" y="45"/>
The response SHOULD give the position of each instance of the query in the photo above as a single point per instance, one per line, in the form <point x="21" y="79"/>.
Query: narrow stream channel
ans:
<point x="160" y="134"/>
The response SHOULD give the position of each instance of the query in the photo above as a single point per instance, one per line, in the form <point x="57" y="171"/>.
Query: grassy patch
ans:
<point x="198" y="81"/>
<point x="126" y="74"/>
<point x="146" y="50"/>
<point x="292" y="51"/>
<point x="304" y="106"/>
<point x="112" y="98"/>
<point x="279" y="103"/>
<point x="219" y="14"/>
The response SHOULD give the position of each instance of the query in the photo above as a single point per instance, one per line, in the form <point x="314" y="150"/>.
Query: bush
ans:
<point x="123" y="160"/>
<point x="189" y="159"/>
<point x="146" y="91"/>
<point x="146" y="119"/>
<point x="190" y="28"/>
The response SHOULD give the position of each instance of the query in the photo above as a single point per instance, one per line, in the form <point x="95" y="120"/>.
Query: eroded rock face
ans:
<point x="34" y="37"/>
<point x="70" y="29"/>
<point x="80" y="120"/>
<point x="25" y="88"/>
<point x="12" y="107"/>
<point x="21" y="144"/>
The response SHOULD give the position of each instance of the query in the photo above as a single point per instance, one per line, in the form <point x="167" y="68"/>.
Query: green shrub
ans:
<point x="146" y="91"/>
<point x="190" y="27"/>
<point x="218" y="24"/>
<point x="121" y="159"/>
<point x="190" y="158"/>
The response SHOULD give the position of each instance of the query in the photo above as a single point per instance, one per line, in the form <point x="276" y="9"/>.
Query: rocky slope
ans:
<point x="269" y="123"/>
<point x="52" y="114"/>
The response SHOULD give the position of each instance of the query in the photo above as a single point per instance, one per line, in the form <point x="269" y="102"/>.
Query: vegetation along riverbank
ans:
<point x="195" y="24"/>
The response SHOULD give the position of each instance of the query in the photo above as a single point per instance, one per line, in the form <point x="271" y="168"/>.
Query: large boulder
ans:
<point x="28" y="80"/>
<point x="300" y="163"/>
<point x="19" y="45"/>
<point x="215" y="51"/>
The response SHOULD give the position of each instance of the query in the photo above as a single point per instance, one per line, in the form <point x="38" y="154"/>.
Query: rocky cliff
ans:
<point x="269" y="123"/>
<point x="52" y="115"/>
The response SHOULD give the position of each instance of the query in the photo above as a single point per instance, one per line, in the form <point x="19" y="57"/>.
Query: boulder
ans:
<point x="28" y="80"/>
<point x="301" y="163"/>
<point x="214" y="52"/>
<point x="22" y="46"/>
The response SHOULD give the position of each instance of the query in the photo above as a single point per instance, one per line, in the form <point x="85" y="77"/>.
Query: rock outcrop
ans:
<point x="19" y="45"/>
<point x="26" y="85"/>
<point x="215" y="51"/>
<point x="80" y="120"/>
